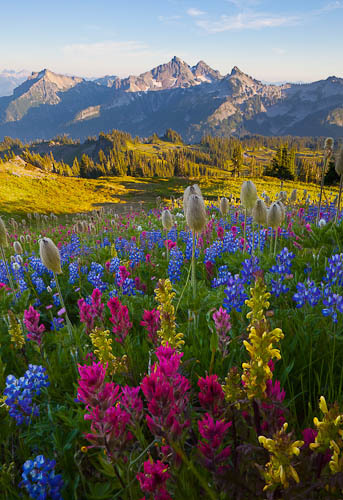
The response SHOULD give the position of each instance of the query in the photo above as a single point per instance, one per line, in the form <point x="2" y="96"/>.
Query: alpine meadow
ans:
<point x="171" y="251"/>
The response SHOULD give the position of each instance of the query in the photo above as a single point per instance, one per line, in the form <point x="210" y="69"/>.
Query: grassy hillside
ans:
<point x="27" y="189"/>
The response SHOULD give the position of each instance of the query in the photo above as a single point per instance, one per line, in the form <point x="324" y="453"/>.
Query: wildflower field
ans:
<point x="190" y="349"/>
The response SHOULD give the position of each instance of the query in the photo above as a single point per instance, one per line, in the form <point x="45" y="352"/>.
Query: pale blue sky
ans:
<point x="269" y="39"/>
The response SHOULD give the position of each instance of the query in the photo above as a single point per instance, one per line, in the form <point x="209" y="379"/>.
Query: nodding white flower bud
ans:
<point x="49" y="289"/>
<point x="17" y="247"/>
<point x="50" y="255"/>
<point x="196" y="213"/>
<point x="283" y="210"/>
<point x="28" y="238"/>
<point x="189" y="191"/>
<point x="293" y="197"/>
<point x="339" y="162"/>
<point x="283" y="196"/>
<point x="248" y="195"/>
<point x="167" y="220"/>
<point x="139" y="228"/>
<point x="328" y="143"/>
<point x="274" y="216"/>
<point x="224" y="206"/>
<point x="22" y="239"/>
<point x="259" y="212"/>
<point x="19" y="259"/>
<point x="322" y="223"/>
<point x="3" y="234"/>
<point x="12" y="258"/>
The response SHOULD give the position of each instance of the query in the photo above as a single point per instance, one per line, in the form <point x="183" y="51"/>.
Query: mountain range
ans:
<point x="192" y="100"/>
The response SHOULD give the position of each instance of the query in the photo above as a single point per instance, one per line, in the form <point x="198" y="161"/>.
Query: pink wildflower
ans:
<point x="166" y="392"/>
<point x="213" y="433"/>
<point x="211" y="395"/>
<point x="151" y="321"/>
<point x="220" y="232"/>
<point x="31" y="320"/>
<point x="119" y="318"/>
<point x="222" y="323"/>
<point x="89" y="313"/>
<point x="153" y="479"/>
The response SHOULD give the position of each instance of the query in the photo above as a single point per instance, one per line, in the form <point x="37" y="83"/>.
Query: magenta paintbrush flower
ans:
<point x="31" y="321"/>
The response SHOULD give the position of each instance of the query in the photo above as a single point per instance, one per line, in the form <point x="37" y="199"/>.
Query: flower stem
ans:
<point x="64" y="307"/>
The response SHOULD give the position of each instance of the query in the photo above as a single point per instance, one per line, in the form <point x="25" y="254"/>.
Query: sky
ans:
<point x="271" y="40"/>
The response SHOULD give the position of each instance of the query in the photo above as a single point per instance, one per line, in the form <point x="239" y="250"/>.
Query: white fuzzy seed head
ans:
<point x="274" y="216"/>
<point x="167" y="220"/>
<point x="283" y="210"/>
<point x="50" y="255"/>
<point x="339" y="162"/>
<point x="3" y="234"/>
<point x="17" y="248"/>
<point x="224" y="206"/>
<point x="196" y="213"/>
<point x="259" y="212"/>
<point x="328" y="143"/>
<point x="248" y="195"/>
<point x="189" y="191"/>
<point x="293" y="197"/>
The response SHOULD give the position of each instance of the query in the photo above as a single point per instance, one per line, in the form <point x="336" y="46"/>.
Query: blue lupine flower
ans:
<point x="73" y="273"/>
<point x="175" y="264"/>
<point x="114" y="265"/>
<point x="250" y="266"/>
<point x="20" y="392"/>
<point x="334" y="270"/>
<point x="307" y="293"/>
<point x="278" y="287"/>
<point x="40" y="480"/>
<point x="235" y="294"/>
<point x="283" y="262"/>
<point x="333" y="303"/>
<point x="94" y="276"/>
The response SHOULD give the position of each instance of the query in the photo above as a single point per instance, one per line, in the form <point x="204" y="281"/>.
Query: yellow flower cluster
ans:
<point x="102" y="344"/>
<point x="15" y="331"/>
<point x="233" y="388"/>
<point x="167" y="332"/>
<point x="261" y="344"/>
<point x="330" y="434"/>
<point x="279" y="470"/>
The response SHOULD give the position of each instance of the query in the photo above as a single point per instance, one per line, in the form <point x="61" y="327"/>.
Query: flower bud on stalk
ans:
<point x="18" y="248"/>
<point x="50" y="257"/>
<point x="274" y="219"/>
<point x="196" y="220"/>
<point x="259" y="214"/>
<point x="224" y="206"/>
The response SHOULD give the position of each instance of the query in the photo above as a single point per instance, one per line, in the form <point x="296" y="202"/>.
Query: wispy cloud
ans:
<point x="328" y="8"/>
<point x="246" y="21"/>
<point x="193" y="12"/>
<point x="249" y="17"/>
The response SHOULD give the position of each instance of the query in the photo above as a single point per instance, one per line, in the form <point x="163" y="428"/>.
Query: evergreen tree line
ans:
<point x="115" y="154"/>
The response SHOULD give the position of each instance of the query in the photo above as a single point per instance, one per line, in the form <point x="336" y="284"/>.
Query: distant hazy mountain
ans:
<point x="193" y="100"/>
<point x="10" y="79"/>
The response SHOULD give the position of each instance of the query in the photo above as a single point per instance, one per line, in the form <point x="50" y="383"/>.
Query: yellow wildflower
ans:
<point x="233" y="388"/>
<point x="279" y="470"/>
<point x="15" y="331"/>
<point x="330" y="429"/>
<point x="261" y="344"/>
<point x="102" y="344"/>
<point x="167" y="332"/>
<point x="114" y="251"/>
